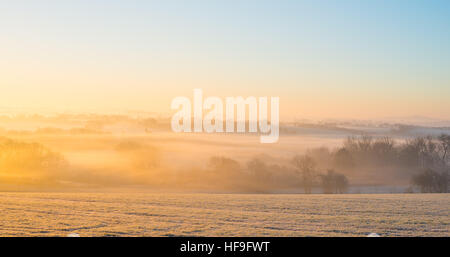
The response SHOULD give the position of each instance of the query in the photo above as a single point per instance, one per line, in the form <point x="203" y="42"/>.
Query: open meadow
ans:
<point x="150" y="214"/>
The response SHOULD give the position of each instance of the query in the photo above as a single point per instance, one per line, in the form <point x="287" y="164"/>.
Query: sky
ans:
<point x="324" y="59"/>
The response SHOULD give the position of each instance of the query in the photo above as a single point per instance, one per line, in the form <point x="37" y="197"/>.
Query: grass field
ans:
<point x="133" y="214"/>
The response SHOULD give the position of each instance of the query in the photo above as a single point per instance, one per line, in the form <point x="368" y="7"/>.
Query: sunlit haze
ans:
<point x="325" y="59"/>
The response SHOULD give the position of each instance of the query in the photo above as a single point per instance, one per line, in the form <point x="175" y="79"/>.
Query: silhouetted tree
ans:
<point x="260" y="170"/>
<point x="306" y="166"/>
<point x="343" y="159"/>
<point x="431" y="181"/>
<point x="341" y="183"/>
<point x="328" y="182"/>
<point x="33" y="156"/>
<point x="444" y="146"/>
<point x="333" y="182"/>
<point x="383" y="150"/>
<point x="223" y="164"/>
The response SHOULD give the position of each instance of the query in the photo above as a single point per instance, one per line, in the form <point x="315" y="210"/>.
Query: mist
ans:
<point x="102" y="152"/>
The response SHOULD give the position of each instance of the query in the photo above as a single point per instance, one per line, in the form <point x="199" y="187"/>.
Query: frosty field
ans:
<point x="148" y="214"/>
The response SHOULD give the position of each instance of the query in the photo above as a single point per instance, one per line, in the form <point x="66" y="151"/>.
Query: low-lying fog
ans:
<point x="95" y="152"/>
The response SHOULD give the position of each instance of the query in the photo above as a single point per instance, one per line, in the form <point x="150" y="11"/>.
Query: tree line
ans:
<point x="424" y="160"/>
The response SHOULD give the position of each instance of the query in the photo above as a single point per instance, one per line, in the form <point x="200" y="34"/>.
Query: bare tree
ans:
<point x="218" y="163"/>
<point x="341" y="183"/>
<point x="307" y="168"/>
<point x="365" y="143"/>
<point x="343" y="159"/>
<point x="431" y="181"/>
<point x="333" y="182"/>
<point x="444" y="146"/>
<point x="383" y="150"/>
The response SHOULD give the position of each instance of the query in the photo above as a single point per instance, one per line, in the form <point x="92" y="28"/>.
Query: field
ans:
<point x="150" y="214"/>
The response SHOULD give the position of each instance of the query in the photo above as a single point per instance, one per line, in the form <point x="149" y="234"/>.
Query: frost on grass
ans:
<point x="118" y="214"/>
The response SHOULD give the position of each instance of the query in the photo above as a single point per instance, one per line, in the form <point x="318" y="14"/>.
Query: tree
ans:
<point x="431" y="181"/>
<point x="260" y="170"/>
<point x="444" y="146"/>
<point x="341" y="183"/>
<point x="223" y="164"/>
<point x="333" y="182"/>
<point x="306" y="166"/>
<point x="328" y="182"/>
<point x="364" y="143"/>
<point x="383" y="150"/>
<point x="18" y="156"/>
<point x="343" y="159"/>
<point x="360" y="148"/>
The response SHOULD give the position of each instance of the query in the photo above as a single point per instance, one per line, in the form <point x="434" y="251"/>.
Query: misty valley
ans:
<point x="116" y="152"/>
